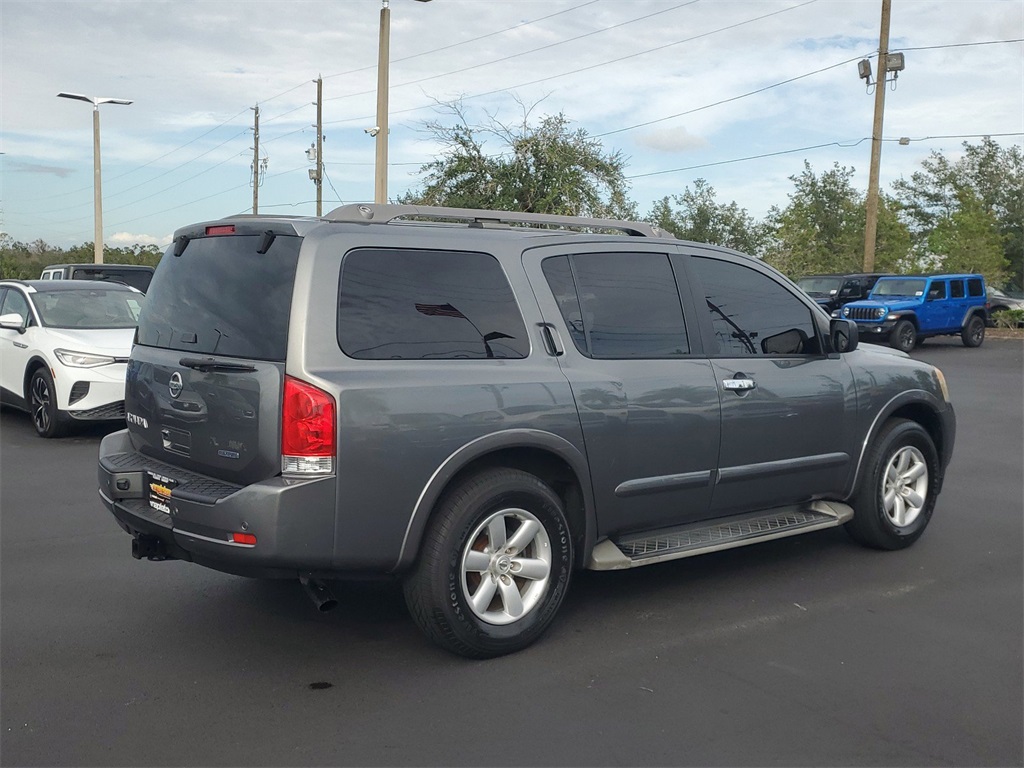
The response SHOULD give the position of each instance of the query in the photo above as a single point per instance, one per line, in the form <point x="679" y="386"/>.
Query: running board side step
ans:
<point x="706" y="536"/>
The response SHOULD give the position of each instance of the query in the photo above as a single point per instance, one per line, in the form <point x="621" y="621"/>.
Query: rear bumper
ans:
<point x="292" y="520"/>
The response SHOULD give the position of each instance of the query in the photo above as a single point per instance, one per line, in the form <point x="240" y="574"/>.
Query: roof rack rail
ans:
<point x="385" y="213"/>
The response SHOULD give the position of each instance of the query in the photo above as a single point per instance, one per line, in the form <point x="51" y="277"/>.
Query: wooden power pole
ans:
<point x="871" y="221"/>
<point x="256" y="161"/>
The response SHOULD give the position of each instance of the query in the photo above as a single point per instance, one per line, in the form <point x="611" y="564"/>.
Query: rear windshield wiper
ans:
<point x="206" y="364"/>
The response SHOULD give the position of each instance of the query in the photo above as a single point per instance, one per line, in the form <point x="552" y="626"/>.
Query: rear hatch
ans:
<point x="206" y="375"/>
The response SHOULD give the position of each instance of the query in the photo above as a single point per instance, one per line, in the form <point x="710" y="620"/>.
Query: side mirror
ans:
<point x="843" y="334"/>
<point x="12" y="322"/>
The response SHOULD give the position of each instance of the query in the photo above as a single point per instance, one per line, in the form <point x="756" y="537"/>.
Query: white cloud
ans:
<point x="671" y="140"/>
<point x="196" y="68"/>
<point x="127" y="239"/>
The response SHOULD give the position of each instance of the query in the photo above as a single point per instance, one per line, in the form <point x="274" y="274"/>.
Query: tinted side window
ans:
<point x="619" y="305"/>
<point x="422" y="305"/>
<point x="956" y="289"/>
<point x="937" y="290"/>
<point x="974" y="287"/>
<point x="751" y="314"/>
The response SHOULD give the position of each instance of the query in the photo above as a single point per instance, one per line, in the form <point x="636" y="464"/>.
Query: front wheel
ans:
<point x="494" y="565"/>
<point x="896" y="496"/>
<point x="42" y="396"/>
<point x="903" y="336"/>
<point x="973" y="333"/>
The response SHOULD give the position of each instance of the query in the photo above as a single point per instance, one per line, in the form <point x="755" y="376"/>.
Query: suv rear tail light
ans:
<point x="307" y="429"/>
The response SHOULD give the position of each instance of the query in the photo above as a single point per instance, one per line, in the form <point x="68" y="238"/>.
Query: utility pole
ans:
<point x="319" y="146"/>
<point x="871" y="221"/>
<point x="256" y="161"/>
<point x="380" y="186"/>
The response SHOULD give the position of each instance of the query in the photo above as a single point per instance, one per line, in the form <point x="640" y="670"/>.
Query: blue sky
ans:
<point x="685" y="89"/>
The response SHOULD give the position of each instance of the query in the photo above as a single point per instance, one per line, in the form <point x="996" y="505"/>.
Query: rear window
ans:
<point x="222" y="297"/>
<point x="427" y="305"/>
<point x="136" y="278"/>
<point x="975" y="287"/>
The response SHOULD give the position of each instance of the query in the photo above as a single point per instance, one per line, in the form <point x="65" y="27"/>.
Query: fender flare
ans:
<point x="480" y="447"/>
<point x="909" y="397"/>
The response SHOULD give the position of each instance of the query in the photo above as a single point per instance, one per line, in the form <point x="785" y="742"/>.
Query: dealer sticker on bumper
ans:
<point x="160" y="488"/>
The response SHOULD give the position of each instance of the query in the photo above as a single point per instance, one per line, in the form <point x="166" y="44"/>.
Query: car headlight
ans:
<point x="81" y="359"/>
<point x="942" y="384"/>
<point x="846" y="311"/>
<point x="880" y="312"/>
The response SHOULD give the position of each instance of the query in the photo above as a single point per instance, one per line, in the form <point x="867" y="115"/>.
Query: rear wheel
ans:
<point x="903" y="335"/>
<point x="47" y="418"/>
<point x="973" y="333"/>
<point x="897" y="492"/>
<point x="494" y="566"/>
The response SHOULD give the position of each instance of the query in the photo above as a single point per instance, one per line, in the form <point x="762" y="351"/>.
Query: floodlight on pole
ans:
<point x="96" y="180"/>
<point x="380" y="130"/>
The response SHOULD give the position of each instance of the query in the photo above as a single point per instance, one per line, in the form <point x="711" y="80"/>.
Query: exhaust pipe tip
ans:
<point x="318" y="592"/>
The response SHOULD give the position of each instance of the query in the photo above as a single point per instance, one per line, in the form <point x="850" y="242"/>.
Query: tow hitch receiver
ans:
<point x="150" y="548"/>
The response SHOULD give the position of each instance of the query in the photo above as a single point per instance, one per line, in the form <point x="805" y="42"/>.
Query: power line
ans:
<point x="466" y="42"/>
<point x="594" y="66"/>
<point x="529" y="52"/>
<point x="726" y="101"/>
<point x="849" y="144"/>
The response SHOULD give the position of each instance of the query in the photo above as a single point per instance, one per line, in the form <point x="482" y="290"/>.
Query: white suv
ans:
<point x="64" y="345"/>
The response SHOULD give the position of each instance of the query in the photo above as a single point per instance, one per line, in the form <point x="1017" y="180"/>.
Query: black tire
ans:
<point x="903" y="335"/>
<point x="456" y="571"/>
<point x="973" y="333"/>
<point x="47" y="418"/>
<point x="896" y="495"/>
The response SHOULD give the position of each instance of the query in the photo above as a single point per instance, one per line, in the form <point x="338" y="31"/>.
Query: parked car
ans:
<point x="906" y="310"/>
<point x="998" y="301"/>
<point x="833" y="291"/>
<point x="64" y="347"/>
<point x="480" y="403"/>
<point x="135" y="275"/>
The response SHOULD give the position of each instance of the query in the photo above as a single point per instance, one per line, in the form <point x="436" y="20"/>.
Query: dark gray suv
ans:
<point x="480" y="403"/>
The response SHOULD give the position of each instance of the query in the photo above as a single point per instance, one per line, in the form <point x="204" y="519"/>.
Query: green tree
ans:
<point x="986" y="175"/>
<point x="822" y="227"/>
<point x="967" y="239"/>
<point x="26" y="261"/>
<point x="697" y="215"/>
<point x="540" y="168"/>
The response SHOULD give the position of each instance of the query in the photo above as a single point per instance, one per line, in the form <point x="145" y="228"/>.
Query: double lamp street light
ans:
<point x="96" y="182"/>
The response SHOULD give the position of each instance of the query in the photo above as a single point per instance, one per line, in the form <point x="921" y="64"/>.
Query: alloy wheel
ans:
<point x="506" y="566"/>
<point x="905" y="487"/>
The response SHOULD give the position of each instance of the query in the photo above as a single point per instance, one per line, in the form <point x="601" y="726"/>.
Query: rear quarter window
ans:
<point x="427" y="305"/>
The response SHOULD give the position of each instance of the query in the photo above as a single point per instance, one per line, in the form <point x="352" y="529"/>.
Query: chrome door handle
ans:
<point x="739" y="385"/>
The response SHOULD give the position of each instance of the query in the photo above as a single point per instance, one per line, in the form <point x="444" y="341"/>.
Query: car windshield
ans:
<point x="820" y="286"/>
<point x="910" y="287"/>
<point x="89" y="308"/>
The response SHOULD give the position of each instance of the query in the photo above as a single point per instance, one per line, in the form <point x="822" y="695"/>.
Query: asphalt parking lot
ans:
<point x="804" y="651"/>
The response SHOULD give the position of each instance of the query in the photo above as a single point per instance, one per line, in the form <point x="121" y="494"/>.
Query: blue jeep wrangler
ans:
<point x="904" y="310"/>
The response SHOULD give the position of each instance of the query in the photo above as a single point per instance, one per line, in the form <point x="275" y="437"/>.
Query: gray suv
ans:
<point x="481" y="403"/>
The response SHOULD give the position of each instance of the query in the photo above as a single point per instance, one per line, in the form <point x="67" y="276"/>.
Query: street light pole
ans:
<point x="97" y="183"/>
<point x="380" y="185"/>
